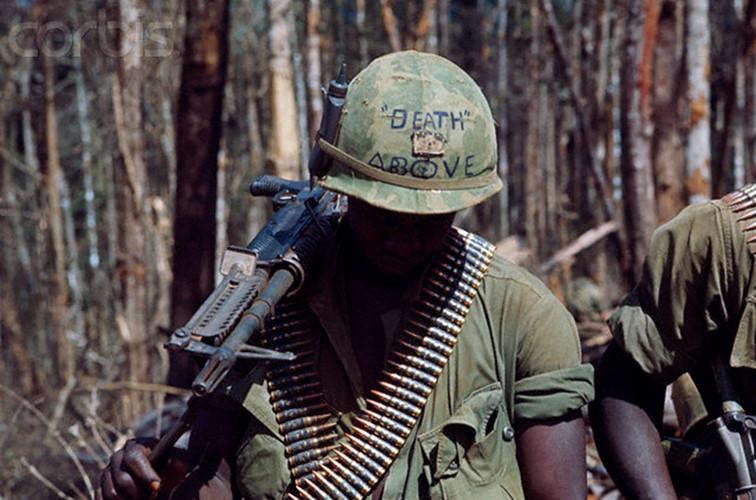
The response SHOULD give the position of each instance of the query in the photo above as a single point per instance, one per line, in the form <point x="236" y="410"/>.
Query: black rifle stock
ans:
<point x="256" y="277"/>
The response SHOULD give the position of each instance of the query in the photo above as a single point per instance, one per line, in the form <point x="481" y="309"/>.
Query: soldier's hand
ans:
<point x="129" y="473"/>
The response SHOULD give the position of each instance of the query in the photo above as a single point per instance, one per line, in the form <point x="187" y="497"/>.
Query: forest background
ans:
<point x="130" y="129"/>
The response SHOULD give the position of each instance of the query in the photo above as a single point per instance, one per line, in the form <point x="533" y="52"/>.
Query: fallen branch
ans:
<point x="583" y="241"/>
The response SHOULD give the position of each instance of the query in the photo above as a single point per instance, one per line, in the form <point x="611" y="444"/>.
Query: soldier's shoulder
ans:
<point x="503" y="272"/>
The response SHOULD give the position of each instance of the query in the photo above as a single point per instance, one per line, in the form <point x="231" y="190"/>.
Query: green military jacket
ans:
<point x="517" y="357"/>
<point x="696" y="298"/>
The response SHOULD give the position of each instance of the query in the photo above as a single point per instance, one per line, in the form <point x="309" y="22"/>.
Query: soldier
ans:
<point x="427" y="366"/>
<point x="691" y="314"/>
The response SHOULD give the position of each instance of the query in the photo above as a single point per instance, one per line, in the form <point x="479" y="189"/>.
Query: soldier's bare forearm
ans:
<point x="625" y="418"/>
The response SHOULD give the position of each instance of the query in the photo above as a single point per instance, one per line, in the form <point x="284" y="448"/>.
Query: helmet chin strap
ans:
<point x="404" y="180"/>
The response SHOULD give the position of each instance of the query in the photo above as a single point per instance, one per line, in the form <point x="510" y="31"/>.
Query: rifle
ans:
<point x="735" y="430"/>
<point x="274" y="264"/>
<point x="728" y="467"/>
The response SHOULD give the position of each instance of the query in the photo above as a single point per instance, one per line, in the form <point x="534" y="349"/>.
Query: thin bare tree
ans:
<point x="132" y="175"/>
<point x="391" y="25"/>
<point x="636" y="128"/>
<point x="283" y="146"/>
<point x="313" y="73"/>
<point x="198" y="137"/>
<point x="54" y="186"/>
<point x="748" y="29"/>
<point x="698" y="149"/>
<point x="668" y="155"/>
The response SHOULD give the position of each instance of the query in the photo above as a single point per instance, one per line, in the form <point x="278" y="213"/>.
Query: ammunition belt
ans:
<point x="744" y="200"/>
<point x="357" y="462"/>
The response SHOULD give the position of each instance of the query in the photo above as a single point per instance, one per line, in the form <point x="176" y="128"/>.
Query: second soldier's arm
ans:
<point x="625" y="417"/>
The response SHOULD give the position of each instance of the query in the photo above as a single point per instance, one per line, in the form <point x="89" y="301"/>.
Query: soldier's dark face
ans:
<point x="392" y="242"/>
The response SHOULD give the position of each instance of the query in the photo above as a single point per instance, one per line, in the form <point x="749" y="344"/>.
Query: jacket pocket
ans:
<point x="473" y="452"/>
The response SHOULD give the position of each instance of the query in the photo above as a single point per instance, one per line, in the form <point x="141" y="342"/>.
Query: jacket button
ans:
<point x="507" y="433"/>
<point x="453" y="465"/>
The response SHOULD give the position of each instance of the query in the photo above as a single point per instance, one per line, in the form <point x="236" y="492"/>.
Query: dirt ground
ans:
<point x="35" y="464"/>
<point x="44" y="454"/>
<point x="51" y="453"/>
<point x="39" y="469"/>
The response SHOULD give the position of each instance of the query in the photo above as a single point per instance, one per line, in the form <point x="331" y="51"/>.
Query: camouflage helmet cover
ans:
<point x="416" y="135"/>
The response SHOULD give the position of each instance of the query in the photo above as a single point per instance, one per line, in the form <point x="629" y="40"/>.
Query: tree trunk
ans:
<point x="300" y="107"/>
<point x="314" y="73"/>
<point x="749" y="107"/>
<point x="54" y="180"/>
<point x="667" y="150"/>
<point x="550" y="212"/>
<point x="443" y="26"/>
<point x="424" y="23"/>
<point x="531" y="187"/>
<point x="15" y="267"/>
<point x="258" y="208"/>
<point x="111" y="342"/>
<point x="82" y="103"/>
<point x="221" y="208"/>
<point x="391" y="26"/>
<point x="283" y="147"/>
<point x="362" y="33"/>
<point x="636" y="129"/>
<point x="698" y="151"/>
<point x="501" y="114"/>
<point x="93" y="287"/>
<point x="74" y="281"/>
<point x="582" y="116"/>
<point x="198" y="137"/>
<point x="168" y="141"/>
<point x="131" y="172"/>
<point x="732" y="147"/>
<point x="517" y="102"/>
<point x="431" y="44"/>
<point x="34" y="260"/>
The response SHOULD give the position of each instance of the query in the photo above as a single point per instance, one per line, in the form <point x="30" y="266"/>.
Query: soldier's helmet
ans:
<point x="416" y="135"/>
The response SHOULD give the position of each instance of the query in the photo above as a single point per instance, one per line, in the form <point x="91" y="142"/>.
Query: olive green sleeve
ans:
<point x="689" y="291"/>
<point x="554" y="394"/>
<point x="539" y="341"/>
<point x="551" y="381"/>
<point x="261" y="467"/>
